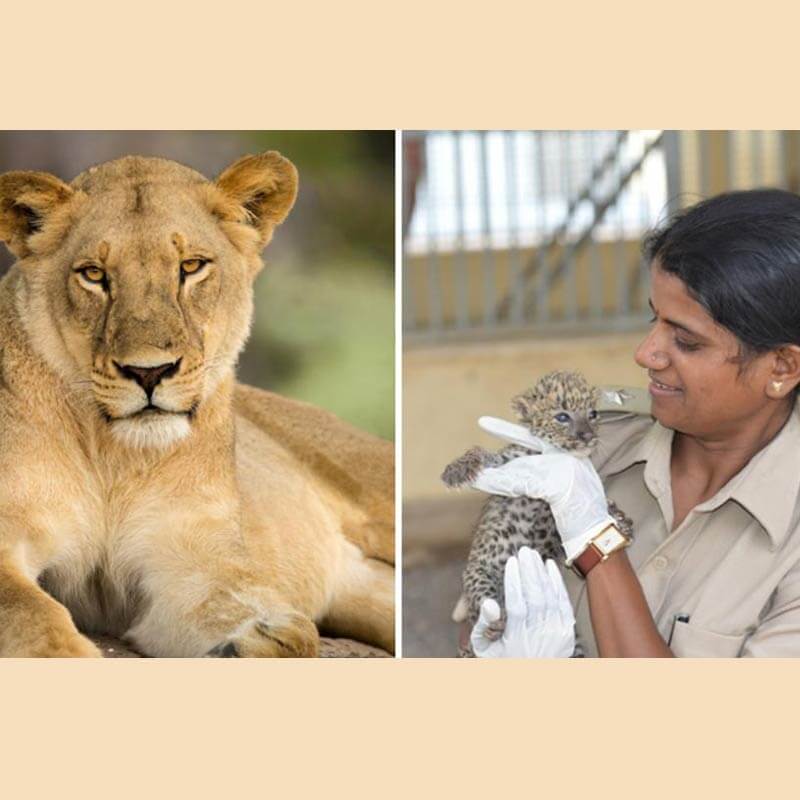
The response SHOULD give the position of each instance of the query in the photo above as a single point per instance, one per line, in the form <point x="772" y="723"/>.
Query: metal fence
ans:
<point x="539" y="231"/>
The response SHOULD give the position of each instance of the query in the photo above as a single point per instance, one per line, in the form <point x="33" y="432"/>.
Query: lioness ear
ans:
<point x="26" y="200"/>
<point x="265" y="186"/>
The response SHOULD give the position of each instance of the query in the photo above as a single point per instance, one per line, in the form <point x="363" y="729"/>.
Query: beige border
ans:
<point x="169" y="729"/>
<point x="397" y="728"/>
<point x="361" y="64"/>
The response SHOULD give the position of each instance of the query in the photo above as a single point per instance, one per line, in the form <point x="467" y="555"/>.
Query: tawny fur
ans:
<point x="560" y="409"/>
<point x="228" y="521"/>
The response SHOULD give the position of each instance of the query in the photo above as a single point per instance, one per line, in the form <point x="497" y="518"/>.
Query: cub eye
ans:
<point x="192" y="266"/>
<point x="562" y="417"/>
<point x="593" y="414"/>
<point x="93" y="274"/>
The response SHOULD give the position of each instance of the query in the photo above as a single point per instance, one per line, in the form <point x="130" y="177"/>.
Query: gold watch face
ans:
<point x="609" y="540"/>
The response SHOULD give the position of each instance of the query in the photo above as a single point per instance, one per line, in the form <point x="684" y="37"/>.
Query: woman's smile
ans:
<point x="660" y="389"/>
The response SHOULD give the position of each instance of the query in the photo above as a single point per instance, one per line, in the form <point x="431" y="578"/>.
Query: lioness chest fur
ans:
<point x="140" y="486"/>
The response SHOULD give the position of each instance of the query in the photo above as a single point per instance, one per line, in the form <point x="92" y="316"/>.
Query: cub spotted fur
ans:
<point x="143" y="493"/>
<point x="559" y="409"/>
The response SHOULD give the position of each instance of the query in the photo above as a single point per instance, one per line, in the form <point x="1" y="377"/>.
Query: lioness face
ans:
<point x="137" y="284"/>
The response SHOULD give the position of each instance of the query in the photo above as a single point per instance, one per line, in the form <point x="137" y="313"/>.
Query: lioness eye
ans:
<point x="192" y="265"/>
<point x="593" y="414"/>
<point x="562" y="417"/>
<point x="93" y="274"/>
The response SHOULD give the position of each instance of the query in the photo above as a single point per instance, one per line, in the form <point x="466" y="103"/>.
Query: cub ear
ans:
<point x="265" y="186"/>
<point x="27" y="199"/>
<point x="522" y="403"/>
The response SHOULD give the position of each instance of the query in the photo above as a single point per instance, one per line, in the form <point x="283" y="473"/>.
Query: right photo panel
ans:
<point x="601" y="361"/>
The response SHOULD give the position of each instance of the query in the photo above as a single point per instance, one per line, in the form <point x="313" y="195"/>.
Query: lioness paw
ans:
<point x="293" y="636"/>
<point x="57" y="644"/>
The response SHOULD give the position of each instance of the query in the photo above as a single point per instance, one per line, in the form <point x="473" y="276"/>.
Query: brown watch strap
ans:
<point x="587" y="560"/>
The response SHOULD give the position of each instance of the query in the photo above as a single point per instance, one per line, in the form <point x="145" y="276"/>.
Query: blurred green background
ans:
<point x="324" y="319"/>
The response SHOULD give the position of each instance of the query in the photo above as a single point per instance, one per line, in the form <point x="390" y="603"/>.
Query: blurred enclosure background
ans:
<point x="522" y="255"/>
<point x="324" y="319"/>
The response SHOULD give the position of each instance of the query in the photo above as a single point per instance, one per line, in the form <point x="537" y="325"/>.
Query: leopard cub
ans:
<point x="560" y="409"/>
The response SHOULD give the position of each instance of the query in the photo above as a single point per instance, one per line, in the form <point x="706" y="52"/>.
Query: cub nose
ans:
<point x="148" y="377"/>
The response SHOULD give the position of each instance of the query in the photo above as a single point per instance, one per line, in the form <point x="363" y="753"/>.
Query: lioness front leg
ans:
<point x="201" y="602"/>
<point x="33" y="624"/>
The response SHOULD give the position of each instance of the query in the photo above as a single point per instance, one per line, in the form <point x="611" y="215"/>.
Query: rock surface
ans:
<point x="329" y="648"/>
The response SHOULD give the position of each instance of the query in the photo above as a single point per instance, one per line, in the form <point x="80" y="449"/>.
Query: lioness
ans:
<point x="143" y="493"/>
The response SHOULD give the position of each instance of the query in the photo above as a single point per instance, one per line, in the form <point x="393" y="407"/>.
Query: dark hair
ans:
<point x="739" y="256"/>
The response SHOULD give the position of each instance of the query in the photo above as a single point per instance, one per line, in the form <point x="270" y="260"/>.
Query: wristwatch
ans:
<point x="608" y="541"/>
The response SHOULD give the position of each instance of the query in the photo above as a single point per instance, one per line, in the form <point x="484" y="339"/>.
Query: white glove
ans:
<point x="568" y="483"/>
<point x="540" y="622"/>
<point x="517" y="434"/>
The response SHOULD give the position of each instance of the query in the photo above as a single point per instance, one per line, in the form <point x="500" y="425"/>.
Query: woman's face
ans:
<point x="697" y="385"/>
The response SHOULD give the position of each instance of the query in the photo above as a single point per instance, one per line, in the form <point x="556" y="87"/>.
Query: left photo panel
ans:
<point x="197" y="394"/>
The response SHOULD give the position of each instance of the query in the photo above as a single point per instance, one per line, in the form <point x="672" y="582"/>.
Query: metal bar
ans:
<point x="621" y="266"/>
<point x="566" y="140"/>
<point x="783" y="160"/>
<point x="409" y="310"/>
<point x="638" y="291"/>
<point x="542" y="295"/>
<point x="731" y="160"/>
<point x="460" y="274"/>
<point x="705" y="163"/>
<point x="488" y="261"/>
<point x="672" y="162"/>
<point x="434" y="270"/>
<point x="638" y="285"/>
<point x="597" y="275"/>
<point x="756" y="156"/>
<point x="408" y="304"/>
<point x="725" y="141"/>
<point x="516" y="285"/>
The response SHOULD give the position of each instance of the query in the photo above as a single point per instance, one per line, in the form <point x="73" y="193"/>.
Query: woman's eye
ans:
<point x="562" y="417"/>
<point x="687" y="347"/>
<point x="192" y="266"/>
<point x="93" y="274"/>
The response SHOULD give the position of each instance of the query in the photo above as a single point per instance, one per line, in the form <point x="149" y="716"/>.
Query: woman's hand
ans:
<point x="569" y="484"/>
<point x="539" y="619"/>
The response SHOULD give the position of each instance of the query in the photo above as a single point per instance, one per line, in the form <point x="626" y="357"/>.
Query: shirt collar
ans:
<point x="767" y="487"/>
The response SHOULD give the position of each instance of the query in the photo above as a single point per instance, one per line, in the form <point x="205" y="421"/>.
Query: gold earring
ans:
<point x="776" y="385"/>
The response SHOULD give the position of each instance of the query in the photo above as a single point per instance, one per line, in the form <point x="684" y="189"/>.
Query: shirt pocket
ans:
<point x="689" y="641"/>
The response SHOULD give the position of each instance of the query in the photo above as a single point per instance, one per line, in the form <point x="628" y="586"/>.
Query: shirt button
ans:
<point x="660" y="562"/>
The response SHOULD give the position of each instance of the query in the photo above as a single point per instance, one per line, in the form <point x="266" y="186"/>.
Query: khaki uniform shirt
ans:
<point x="732" y="566"/>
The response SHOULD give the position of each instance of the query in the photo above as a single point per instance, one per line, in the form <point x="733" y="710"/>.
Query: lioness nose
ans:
<point x="148" y="377"/>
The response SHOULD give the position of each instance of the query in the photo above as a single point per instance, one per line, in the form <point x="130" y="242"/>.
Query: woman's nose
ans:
<point x="650" y="354"/>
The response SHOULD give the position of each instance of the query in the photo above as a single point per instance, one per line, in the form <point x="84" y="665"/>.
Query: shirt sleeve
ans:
<point x="778" y="633"/>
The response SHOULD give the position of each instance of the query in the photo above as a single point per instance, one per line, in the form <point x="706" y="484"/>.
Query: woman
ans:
<point x="712" y="480"/>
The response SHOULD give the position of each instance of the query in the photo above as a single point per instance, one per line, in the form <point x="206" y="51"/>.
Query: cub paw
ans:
<point x="464" y="470"/>
<point x="623" y="521"/>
